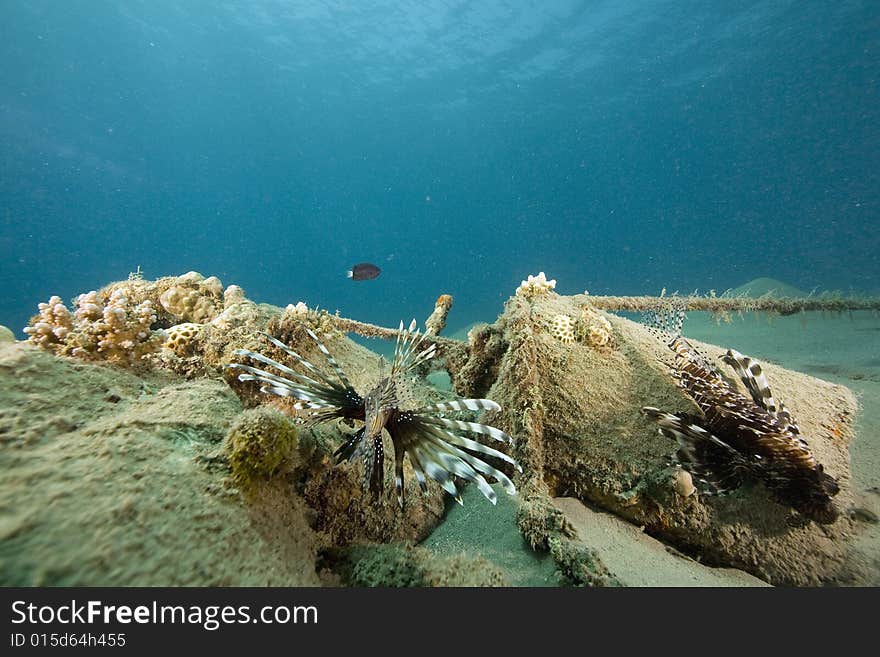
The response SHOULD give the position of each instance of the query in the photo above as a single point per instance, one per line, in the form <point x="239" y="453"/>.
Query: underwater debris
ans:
<point x="437" y="321"/>
<point x="738" y="437"/>
<point x="535" y="286"/>
<point x="437" y="447"/>
<point x="397" y="566"/>
<point x="725" y="304"/>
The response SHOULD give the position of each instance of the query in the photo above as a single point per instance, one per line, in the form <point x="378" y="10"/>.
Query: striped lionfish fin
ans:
<point x="665" y="323"/>
<point x="441" y="452"/>
<point x="318" y="392"/>
<point x="330" y="359"/>
<point x="715" y="465"/>
<point x="462" y="425"/>
<point x="751" y="374"/>
<point x="407" y="352"/>
<point x="374" y="466"/>
<point x="347" y="449"/>
<point x="465" y="405"/>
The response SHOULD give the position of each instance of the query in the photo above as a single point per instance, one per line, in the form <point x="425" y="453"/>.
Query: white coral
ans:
<point x="599" y="334"/>
<point x="232" y="296"/>
<point x="299" y="309"/>
<point x="53" y="324"/>
<point x="123" y="333"/>
<point x="117" y="330"/>
<point x="535" y="285"/>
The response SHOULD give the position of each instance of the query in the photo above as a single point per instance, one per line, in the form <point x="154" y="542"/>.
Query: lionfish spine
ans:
<point x="465" y="405"/>
<point x="463" y="425"/>
<point x="302" y="361"/>
<point x="330" y="359"/>
<point x="752" y="375"/>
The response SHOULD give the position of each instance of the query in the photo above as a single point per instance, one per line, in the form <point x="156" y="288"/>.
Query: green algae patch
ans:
<point x="402" y="565"/>
<point x="260" y="444"/>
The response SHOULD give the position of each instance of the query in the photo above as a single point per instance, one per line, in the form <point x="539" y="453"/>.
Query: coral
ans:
<point x="437" y="321"/>
<point x="212" y="286"/>
<point x="6" y="335"/>
<point x="299" y="309"/>
<point x="181" y="338"/>
<point x="594" y="330"/>
<point x="188" y="304"/>
<point x="232" y="296"/>
<point x="562" y="328"/>
<point x="52" y="325"/>
<point x="117" y="329"/>
<point x="296" y="316"/>
<point x="238" y="310"/>
<point x="535" y="286"/>
<point x="261" y="443"/>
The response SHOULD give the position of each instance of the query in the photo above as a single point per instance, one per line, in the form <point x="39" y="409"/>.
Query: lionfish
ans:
<point x="738" y="437"/>
<point x="437" y="446"/>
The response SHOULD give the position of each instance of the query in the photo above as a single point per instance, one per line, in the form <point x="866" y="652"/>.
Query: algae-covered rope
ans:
<point x="780" y="305"/>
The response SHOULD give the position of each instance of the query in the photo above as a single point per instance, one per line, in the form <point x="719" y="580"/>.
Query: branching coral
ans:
<point x="52" y="326"/>
<point x="117" y="330"/>
<point x="535" y="286"/>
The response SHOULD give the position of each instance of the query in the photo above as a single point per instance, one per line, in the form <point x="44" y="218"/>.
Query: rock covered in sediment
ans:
<point x="575" y="409"/>
<point x="149" y="483"/>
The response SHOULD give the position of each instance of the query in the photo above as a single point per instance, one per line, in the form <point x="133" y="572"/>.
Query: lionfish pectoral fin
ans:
<point x="372" y="454"/>
<point x="347" y="449"/>
<point x="398" y="476"/>
<point x="377" y="472"/>
<point x="717" y="468"/>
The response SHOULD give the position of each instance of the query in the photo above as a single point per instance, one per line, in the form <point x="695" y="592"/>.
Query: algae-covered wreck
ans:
<point x="138" y="428"/>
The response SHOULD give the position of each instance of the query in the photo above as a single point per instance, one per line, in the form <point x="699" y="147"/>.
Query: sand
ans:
<point x="637" y="559"/>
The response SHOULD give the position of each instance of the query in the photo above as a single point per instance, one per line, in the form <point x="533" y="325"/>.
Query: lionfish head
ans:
<point x="818" y="504"/>
<point x="377" y="411"/>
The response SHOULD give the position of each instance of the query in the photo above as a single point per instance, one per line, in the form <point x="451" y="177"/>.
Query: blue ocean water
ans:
<point x="621" y="146"/>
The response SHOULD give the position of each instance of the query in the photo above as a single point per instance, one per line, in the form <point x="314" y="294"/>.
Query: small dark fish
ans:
<point x="364" y="272"/>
